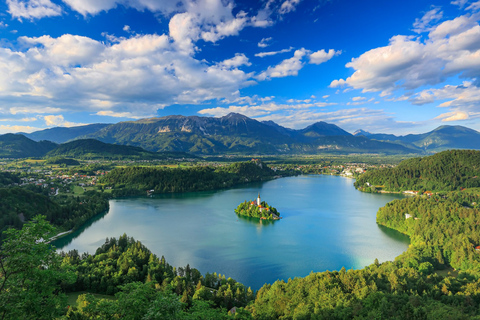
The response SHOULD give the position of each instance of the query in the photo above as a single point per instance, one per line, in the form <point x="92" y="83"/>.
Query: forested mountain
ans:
<point x="235" y="133"/>
<point x="19" y="146"/>
<point x="444" y="171"/>
<point x="94" y="149"/>
<point x="443" y="137"/>
<point x="238" y="134"/>
<point x="64" y="134"/>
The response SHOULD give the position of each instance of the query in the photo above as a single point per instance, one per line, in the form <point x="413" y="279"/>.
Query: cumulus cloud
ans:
<point x="322" y="56"/>
<point x="143" y="73"/>
<point x="288" y="67"/>
<point x="92" y="7"/>
<point x="33" y="9"/>
<point x="15" y="128"/>
<point x="265" y="108"/>
<point x="59" y="121"/>
<point x="239" y="60"/>
<point x="451" y="49"/>
<point x="453" y="116"/>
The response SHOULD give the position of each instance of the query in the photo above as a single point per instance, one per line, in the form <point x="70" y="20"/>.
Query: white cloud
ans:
<point x="452" y="48"/>
<point x="322" y="56"/>
<point x="288" y="67"/>
<point x="92" y="7"/>
<point x="453" y="116"/>
<point x="265" y="42"/>
<point x="460" y="3"/>
<point x="288" y="6"/>
<point x="110" y="113"/>
<point x="272" y="53"/>
<point x="239" y="60"/>
<point x="15" y="128"/>
<point x="424" y="24"/>
<point x="59" y="121"/>
<point x="143" y="73"/>
<point x="358" y="98"/>
<point x="33" y="9"/>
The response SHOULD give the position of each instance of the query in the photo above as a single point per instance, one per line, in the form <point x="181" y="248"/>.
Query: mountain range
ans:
<point x="238" y="134"/>
<point x="441" y="138"/>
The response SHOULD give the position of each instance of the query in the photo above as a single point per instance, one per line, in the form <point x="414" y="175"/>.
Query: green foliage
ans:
<point x="30" y="274"/>
<point x="119" y="263"/>
<point x="443" y="222"/>
<point x="20" y="204"/>
<point x="445" y="171"/>
<point x="8" y="178"/>
<point x="136" y="180"/>
<point x="60" y="161"/>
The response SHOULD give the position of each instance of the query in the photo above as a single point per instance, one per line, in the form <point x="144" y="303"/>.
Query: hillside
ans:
<point x="19" y="146"/>
<point x="94" y="149"/>
<point x="64" y="134"/>
<point x="444" y="171"/>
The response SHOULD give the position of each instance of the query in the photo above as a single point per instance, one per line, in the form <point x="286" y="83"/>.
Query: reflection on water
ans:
<point x="394" y="234"/>
<point x="68" y="239"/>
<point x="326" y="225"/>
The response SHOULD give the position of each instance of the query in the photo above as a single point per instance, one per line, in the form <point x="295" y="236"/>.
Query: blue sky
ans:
<point x="383" y="66"/>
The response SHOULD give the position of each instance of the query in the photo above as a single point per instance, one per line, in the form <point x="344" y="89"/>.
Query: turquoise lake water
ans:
<point x="327" y="224"/>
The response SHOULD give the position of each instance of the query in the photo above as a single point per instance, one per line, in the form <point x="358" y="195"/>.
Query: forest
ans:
<point x="18" y="205"/>
<point x="137" y="180"/>
<point x="445" y="171"/>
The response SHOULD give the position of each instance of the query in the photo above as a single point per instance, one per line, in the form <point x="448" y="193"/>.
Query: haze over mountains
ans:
<point x="238" y="134"/>
<point x="441" y="138"/>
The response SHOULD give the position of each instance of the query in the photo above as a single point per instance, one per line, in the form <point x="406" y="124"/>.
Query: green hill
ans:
<point x="64" y="134"/>
<point x="94" y="149"/>
<point x="19" y="146"/>
<point x="444" y="171"/>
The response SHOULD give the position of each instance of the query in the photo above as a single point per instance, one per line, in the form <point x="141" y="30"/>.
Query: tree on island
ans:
<point x="257" y="209"/>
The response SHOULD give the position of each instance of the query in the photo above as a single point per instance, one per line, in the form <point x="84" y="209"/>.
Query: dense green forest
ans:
<point x="251" y="209"/>
<point x="137" y="180"/>
<point x="123" y="261"/>
<point x="18" y="205"/>
<point x="445" y="171"/>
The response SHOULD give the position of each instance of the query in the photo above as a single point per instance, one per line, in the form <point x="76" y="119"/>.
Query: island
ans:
<point x="257" y="209"/>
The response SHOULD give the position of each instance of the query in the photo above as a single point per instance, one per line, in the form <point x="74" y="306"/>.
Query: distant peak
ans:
<point x="361" y="132"/>
<point x="234" y="115"/>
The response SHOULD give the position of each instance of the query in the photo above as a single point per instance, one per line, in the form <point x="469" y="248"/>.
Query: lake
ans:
<point x="327" y="224"/>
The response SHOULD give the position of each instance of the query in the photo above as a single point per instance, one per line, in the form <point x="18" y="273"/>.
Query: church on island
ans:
<point x="258" y="209"/>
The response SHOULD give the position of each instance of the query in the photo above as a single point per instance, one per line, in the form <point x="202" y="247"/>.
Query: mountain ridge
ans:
<point x="235" y="133"/>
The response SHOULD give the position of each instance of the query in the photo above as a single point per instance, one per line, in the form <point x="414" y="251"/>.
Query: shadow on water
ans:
<point x="66" y="240"/>
<point x="394" y="234"/>
<point x="256" y="221"/>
